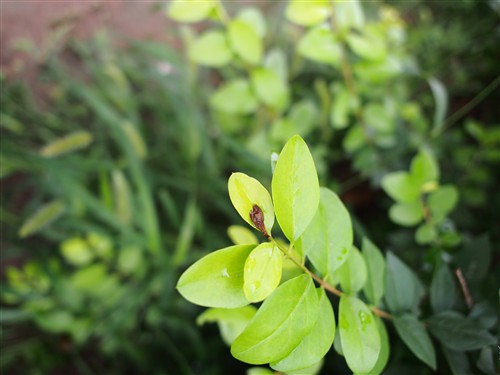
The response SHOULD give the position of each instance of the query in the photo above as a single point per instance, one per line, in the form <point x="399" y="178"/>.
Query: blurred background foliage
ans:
<point x="114" y="175"/>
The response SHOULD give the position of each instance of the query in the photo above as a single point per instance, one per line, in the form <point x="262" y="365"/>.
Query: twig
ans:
<point x="465" y="289"/>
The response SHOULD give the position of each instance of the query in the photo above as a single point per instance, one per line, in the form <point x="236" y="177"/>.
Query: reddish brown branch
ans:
<point x="465" y="289"/>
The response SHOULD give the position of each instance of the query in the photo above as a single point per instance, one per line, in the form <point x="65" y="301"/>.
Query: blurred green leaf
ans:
<point x="276" y="60"/>
<point x="349" y="14"/>
<point x="459" y="333"/>
<point x="245" y="41"/>
<point x="254" y="18"/>
<point x="443" y="292"/>
<point x="240" y="235"/>
<point x="402" y="289"/>
<point x="122" y="197"/>
<point x="367" y="46"/>
<point x="406" y="214"/>
<point x="211" y="49"/>
<point x="425" y="234"/>
<point x="234" y="97"/>
<point x="424" y="168"/>
<point x="189" y="10"/>
<point x="442" y="201"/>
<point x="308" y="13"/>
<point x="376" y="116"/>
<point x="76" y="251"/>
<point x="413" y="334"/>
<point x="320" y="45"/>
<point x="270" y="89"/>
<point x="400" y="187"/>
<point x="231" y="322"/>
<point x="441" y="99"/>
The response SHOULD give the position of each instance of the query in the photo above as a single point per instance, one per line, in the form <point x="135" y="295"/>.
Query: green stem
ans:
<point x="450" y="121"/>
<point x="324" y="284"/>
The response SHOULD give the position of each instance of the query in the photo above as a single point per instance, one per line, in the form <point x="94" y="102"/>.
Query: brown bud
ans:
<point x="257" y="217"/>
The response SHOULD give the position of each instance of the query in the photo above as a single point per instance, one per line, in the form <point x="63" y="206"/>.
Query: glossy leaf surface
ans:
<point x="262" y="272"/>
<point x="316" y="344"/>
<point x="281" y="323"/>
<point x="359" y="334"/>
<point x="352" y="274"/>
<point x="295" y="188"/>
<point x="216" y="280"/>
<point x="328" y="238"/>
<point x="246" y="192"/>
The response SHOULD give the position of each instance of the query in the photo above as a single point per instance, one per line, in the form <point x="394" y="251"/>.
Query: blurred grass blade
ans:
<point x="121" y="192"/>
<point x="186" y="235"/>
<point x="42" y="217"/>
<point x="441" y="99"/>
<point x="69" y="143"/>
<point x="135" y="139"/>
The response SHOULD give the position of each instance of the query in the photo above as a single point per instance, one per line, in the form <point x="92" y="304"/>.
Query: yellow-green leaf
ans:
<point x="262" y="272"/>
<point x="42" y="217"/>
<point x="245" y="41"/>
<point x="190" y="10"/>
<point x="69" y="143"/>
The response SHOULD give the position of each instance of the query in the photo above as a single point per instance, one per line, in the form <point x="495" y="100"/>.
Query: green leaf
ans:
<point x="458" y="361"/>
<point x="308" y="13"/>
<point x="441" y="99"/>
<point x="89" y="279"/>
<point x="259" y="371"/>
<point x="383" y="356"/>
<point x="281" y="323"/>
<point x="367" y="46"/>
<point x="254" y="18"/>
<point x="211" y="49"/>
<point x="316" y="344"/>
<point x="402" y="286"/>
<point x="69" y="143"/>
<point x="245" y="41"/>
<point x="245" y="193"/>
<point x="276" y="61"/>
<point x="400" y="187"/>
<point x="319" y="44"/>
<point x="270" y="89"/>
<point x="340" y="109"/>
<point x="76" y="251"/>
<point x="216" y="280"/>
<point x="262" y="272"/>
<point x="407" y="214"/>
<point x="375" y="285"/>
<point x="459" y="333"/>
<point x="354" y="139"/>
<point x="328" y="238"/>
<point x="423" y="169"/>
<point x="413" y="334"/>
<point x="353" y="273"/>
<point x="303" y="115"/>
<point x="377" y="118"/>
<point x="425" y="234"/>
<point x="475" y="259"/>
<point x="241" y="235"/>
<point x="359" y="334"/>
<point x="231" y="322"/>
<point x="135" y="139"/>
<point x="295" y="188"/>
<point x="443" y="292"/>
<point x="379" y="72"/>
<point x="349" y="14"/>
<point x="442" y="201"/>
<point x="234" y="97"/>
<point x="189" y="10"/>
<point x="44" y="216"/>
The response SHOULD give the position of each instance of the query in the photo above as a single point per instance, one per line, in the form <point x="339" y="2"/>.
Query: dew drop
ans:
<point x="344" y="251"/>
<point x="364" y="319"/>
<point x="339" y="258"/>
<point x="254" y="286"/>
<point x="225" y="273"/>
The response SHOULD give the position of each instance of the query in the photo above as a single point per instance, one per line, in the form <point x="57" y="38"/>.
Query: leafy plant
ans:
<point x="294" y="327"/>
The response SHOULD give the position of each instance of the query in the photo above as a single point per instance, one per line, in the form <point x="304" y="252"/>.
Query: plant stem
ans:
<point x="324" y="284"/>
